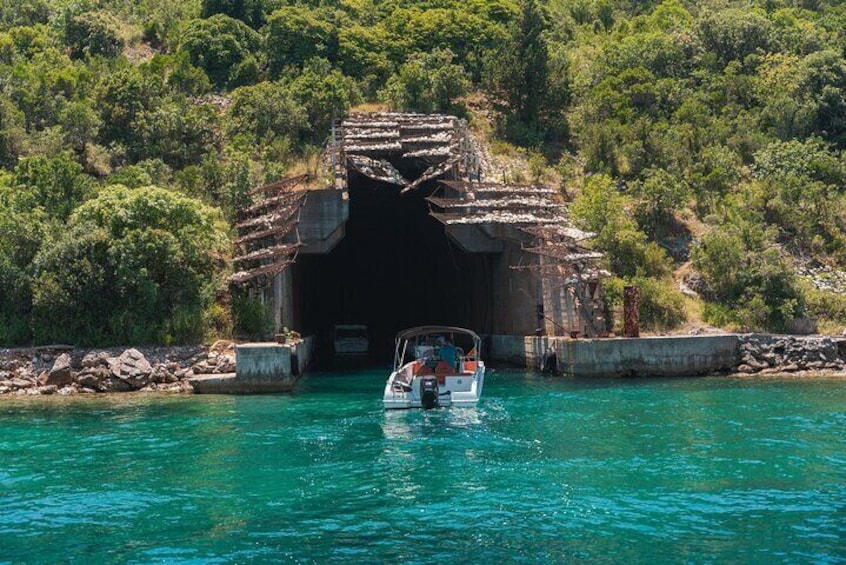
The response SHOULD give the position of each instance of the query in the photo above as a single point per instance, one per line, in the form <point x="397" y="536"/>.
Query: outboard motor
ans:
<point x="429" y="392"/>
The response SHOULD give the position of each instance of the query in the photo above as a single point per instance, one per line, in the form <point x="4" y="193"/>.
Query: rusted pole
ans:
<point x="631" y="312"/>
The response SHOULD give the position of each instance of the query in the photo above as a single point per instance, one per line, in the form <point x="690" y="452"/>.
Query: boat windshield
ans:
<point x="444" y="344"/>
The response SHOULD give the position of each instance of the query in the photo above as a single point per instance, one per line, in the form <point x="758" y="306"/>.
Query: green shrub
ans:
<point x="719" y="315"/>
<point x="93" y="33"/>
<point x="428" y="82"/>
<point x="826" y="306"/>
<point x="132" y="266"/>
<point x="252" y="319"/>
<point x="219" y="45"/>
<point x="661" y="304"/>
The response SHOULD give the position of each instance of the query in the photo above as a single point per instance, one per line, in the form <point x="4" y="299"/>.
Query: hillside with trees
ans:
<point x="702" y="141"/>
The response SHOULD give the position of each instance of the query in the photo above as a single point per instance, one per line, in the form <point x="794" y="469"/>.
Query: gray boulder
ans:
<point x="95" y="359"/>
<point x="60" y="375"/>
<point x="133" y="368"/>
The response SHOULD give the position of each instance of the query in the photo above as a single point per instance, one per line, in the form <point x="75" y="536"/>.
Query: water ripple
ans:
<point x="544" y="470"/>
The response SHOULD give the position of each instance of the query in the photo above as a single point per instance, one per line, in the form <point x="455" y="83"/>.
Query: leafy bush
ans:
<point x="829" y="308"/>
<point x="134" y="266"/>
<point x="219" y="45"/>
<point x="15" y="302"/>
<point x="602" y="209"/>
<point x="296" y="34"/>
<point x="746" y="270"/>
<point x="662" y="305"/>
<point x="252" y="319"/>
<point x="263" y="113"/>
<point x="427" y="82"/>
<point x="93" y="33"/>
<point x="56" y="184"/>
<point x="325" y="94"/>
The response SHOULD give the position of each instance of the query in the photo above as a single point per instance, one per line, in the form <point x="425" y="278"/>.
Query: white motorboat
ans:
<point x="432" y="369"/>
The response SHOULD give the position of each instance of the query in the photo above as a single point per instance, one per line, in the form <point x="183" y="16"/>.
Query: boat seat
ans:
<point x="442" y="370"/>
<point x="422" y="369"/>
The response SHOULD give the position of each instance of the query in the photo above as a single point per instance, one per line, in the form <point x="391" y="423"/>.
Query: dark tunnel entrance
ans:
<point x="395" y="268"/>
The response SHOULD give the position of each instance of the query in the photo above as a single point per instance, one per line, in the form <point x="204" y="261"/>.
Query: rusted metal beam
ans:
<point x="282" y="185"/>
<point x="243" y="277"/>
<point x="286" y="198"/>
<point x="268" y="253"/>
<point x="631" y="312"/>
<point x="277" y="231"/>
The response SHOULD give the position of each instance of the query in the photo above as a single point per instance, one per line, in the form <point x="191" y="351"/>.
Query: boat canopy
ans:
<point x="427" y="330"/>
<point x="404" y="336"/>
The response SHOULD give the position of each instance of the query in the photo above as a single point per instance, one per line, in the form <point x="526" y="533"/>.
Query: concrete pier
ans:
<point x="260" y="367"/>
<point x="660" y="356"/>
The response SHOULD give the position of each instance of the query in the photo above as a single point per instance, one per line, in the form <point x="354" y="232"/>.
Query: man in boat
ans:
<point x="448" y="353"/>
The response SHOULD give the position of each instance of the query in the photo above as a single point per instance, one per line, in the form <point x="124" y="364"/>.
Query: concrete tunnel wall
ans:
<point x="424" y="275"/>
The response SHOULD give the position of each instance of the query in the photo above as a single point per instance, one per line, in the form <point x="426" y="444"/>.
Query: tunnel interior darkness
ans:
<point x="395" y="268"/>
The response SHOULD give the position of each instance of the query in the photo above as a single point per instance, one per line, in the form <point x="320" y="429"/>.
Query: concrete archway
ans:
<point x="408" y="233"/>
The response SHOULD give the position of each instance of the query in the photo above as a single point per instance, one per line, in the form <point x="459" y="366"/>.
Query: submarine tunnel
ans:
<point x="395" y="268"/>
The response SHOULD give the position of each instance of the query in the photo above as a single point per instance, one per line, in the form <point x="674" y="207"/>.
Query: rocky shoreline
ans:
<point x="64" y="370"/>
<point x="786" y="354"/>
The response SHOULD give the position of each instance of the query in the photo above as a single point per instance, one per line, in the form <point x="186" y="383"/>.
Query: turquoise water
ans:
<point x="545" y="470"/>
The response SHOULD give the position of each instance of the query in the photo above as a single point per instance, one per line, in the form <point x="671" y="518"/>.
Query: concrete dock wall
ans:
<point x="260" y="367"/>
<point x="661" y="356"/>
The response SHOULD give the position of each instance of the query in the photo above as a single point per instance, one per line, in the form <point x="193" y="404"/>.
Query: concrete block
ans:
<point x="662" y="356"/>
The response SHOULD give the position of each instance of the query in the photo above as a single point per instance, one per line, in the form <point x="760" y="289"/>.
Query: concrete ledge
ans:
<point x="228" y="383"/>
<point x="260" y="368"/>
<point x="661" y="356"/>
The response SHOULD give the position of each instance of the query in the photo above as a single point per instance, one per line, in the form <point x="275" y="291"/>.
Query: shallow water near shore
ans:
<point x="544" y="470"/>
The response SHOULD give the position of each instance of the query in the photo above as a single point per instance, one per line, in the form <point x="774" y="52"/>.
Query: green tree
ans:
<point x="747" y="271"/>
<point x="296" y="34"/>
<point x="250" y="12"/>
<point x="55" y="184"/>
<point x="324" y="93"/>
<point x="519" y="72"/>
<point x="427" y="82"/>
<point x="265" y="113"/>
<point x="12" y="132"/>
<point x="219" y="45"/>
<point x="133" y="266"/>
<point x="177" y="131"/>
<point x="80" y="124"/>
<point x="22" y="230"/>
<point x="601" y="208"/>
<point x="93" y="33"/>
<point x="122" y="96"/>
<point x="659" y="195"/>
<point x="363" y="54"/>
<point x="734" y="33"/>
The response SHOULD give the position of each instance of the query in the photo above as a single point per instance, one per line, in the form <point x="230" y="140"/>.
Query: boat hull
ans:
<point x="456" y="390"/>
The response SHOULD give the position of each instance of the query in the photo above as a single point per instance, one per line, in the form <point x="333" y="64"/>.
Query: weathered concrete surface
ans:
<point x="260" y="367"/>
<point x="664" y="356"/>
<point x="510" y="349"/>
<point x="223" y="383"/>
<point x="473" y="239"/>
<point x="322" y="220"/>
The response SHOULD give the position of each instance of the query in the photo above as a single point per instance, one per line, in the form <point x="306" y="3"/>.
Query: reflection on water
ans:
<point x="543" y="470"/>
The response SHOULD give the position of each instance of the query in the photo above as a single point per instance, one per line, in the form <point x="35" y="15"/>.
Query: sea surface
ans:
<point x="544" y="470"/>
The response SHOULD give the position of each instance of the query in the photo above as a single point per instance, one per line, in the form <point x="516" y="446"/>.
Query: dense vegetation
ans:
<point x="129" y="131"/>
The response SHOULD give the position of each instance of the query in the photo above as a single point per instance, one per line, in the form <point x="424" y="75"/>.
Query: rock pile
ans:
<point x="789" y="354"/>
<point x="824" y="277"/>
<point x="65" y="371"/>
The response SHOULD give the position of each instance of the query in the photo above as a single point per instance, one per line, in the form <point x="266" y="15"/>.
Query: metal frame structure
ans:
<point x="264" y="247"/>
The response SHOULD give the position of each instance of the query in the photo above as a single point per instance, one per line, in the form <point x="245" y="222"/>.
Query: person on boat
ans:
<point x="448" y="353"/>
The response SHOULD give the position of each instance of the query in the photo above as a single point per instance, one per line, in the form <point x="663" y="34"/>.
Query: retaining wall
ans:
<point x="662" y="356"/>
<point x="260" y="367"/>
